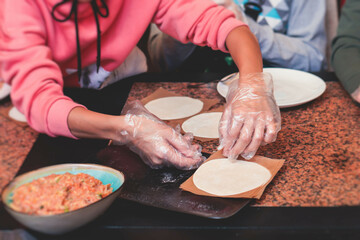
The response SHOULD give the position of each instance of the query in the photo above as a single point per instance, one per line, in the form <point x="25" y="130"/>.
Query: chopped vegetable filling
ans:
<point x="59" y="193"/>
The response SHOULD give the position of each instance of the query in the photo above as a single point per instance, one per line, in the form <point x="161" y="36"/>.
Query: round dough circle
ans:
<point x="16" y="115"/>
<point x="224" y="177"/>
<point x="169" y="108"/>
<point x="205" y="125"/>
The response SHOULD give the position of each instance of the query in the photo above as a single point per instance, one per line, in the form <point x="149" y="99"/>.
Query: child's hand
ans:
<point x="251" y="117"/>
<point x="157" y="144"/>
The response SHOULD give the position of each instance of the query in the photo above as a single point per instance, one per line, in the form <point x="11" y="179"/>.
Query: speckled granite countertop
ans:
<point x="320" y="142"/>
<point x="16" y="140"/>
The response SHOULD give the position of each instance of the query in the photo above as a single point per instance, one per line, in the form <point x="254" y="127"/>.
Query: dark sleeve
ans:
<point x="345" y="56"/>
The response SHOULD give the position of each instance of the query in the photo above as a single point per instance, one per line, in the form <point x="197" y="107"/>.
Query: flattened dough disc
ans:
<point x="205" y="125"/>
<point x="224" y="177"/>
<point x="169" y="108"/>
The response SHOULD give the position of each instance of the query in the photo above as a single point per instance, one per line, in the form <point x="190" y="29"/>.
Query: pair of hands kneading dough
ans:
<point x="220" y="177"/>
<point x="251" y="118"/>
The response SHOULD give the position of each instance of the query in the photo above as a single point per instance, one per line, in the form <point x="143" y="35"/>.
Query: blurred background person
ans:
<point x="291" y="34"/>
<point x="346" y="49"/>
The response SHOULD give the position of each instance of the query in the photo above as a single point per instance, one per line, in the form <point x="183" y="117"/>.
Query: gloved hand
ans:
<point x="155" y="142"/>
<point x="251" y="117"/>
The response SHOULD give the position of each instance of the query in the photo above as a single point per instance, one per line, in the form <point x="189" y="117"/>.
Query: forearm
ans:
<point x="251" y="116"/>
<point x="244" y="50"/>
<point x="84" y="123"/>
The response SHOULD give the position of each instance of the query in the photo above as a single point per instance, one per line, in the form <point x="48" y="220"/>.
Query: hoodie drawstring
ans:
<point x="73" y="10"/>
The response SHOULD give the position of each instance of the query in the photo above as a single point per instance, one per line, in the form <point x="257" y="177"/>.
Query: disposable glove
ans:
<point x="155" y="142"/>
<point x="251" y="117"/>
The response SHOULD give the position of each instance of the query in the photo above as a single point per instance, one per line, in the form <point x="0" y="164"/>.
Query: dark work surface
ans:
<point x="161" y="187"/>
<point x="130" y="220"/>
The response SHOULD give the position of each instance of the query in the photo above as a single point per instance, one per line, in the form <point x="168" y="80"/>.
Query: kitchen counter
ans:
<point x="319" y="140"/>
<point x="16" y="140"/>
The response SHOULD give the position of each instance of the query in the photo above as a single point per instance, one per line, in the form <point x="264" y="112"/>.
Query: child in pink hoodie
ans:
<point x="46" y="44"/>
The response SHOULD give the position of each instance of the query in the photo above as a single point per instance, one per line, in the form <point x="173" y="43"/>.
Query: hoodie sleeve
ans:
<point x="27" y="65"/>
<point x="201" y="22"/>
<point x="303" y="46"/>
<point x="346" y="47"/>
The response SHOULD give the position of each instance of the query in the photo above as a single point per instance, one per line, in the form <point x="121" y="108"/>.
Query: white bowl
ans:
<point x="65" y="222"/>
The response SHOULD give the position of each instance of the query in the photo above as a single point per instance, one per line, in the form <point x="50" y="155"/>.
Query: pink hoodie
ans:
<point x="36" y="50"/>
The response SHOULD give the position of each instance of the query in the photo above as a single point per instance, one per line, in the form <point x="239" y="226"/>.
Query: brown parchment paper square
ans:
<point x="273" y="165"/>
<point x="161" y="92"/>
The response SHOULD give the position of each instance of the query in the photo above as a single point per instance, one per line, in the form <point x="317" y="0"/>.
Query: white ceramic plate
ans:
<point x="68" y="221"/>
<point x="16" y="115"/>
<point x="291" y="87"/>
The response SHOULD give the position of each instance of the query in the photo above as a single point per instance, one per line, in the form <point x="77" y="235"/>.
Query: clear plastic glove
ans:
<point x="156" y="143"/>
<point x="251" y="117"/>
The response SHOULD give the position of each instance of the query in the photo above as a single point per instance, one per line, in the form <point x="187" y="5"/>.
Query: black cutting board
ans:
<point x="160" y="187"/>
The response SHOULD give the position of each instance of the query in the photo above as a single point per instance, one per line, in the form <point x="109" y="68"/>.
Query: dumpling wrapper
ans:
<point x="177" y="107"/>
<point x="224" y="177"/>
<point x="205" y="125"/>
<point x="16" y="115"/>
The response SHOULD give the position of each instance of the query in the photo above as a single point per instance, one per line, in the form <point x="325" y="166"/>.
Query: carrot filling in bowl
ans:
<point x="58" y="193"/>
